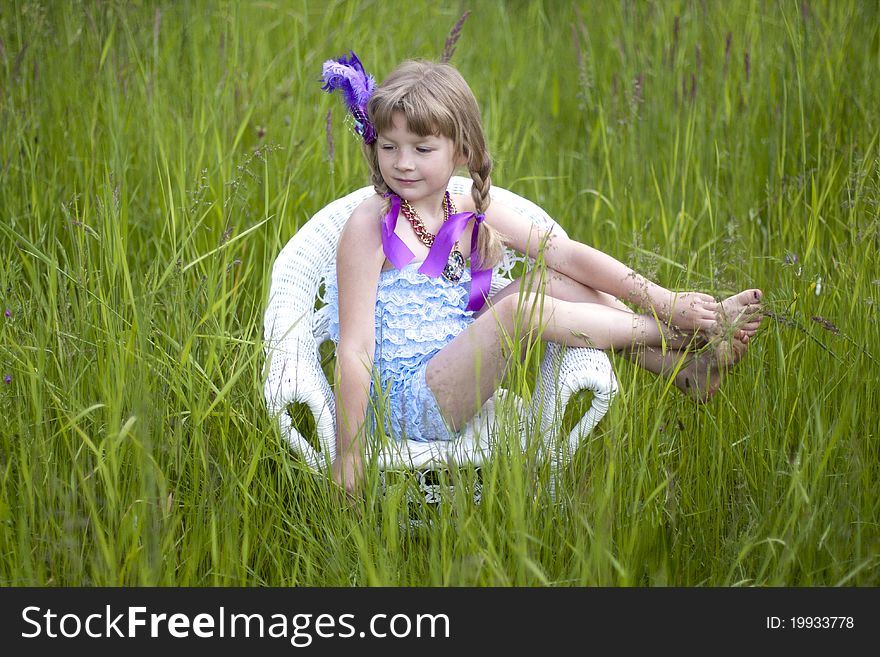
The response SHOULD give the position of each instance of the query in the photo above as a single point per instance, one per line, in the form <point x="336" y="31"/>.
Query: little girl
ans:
<point x="413" y="313"/>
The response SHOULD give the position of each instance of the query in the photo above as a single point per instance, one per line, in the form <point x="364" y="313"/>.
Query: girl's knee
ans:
<point x="522" y="313"/>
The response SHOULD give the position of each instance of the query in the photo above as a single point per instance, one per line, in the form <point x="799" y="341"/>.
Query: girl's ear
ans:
<point x="462" y="160"/>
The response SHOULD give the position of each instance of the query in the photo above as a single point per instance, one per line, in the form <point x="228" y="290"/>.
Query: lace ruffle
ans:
<point x="413" y="414"/>
<point x="416" y="316"/>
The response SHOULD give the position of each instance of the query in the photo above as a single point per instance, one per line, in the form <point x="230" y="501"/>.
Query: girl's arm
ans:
<point x="600" y="271"/>
<point x="359" y="259"/>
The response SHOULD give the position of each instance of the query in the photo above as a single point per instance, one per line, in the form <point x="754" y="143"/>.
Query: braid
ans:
<point x="489" y="244"/>
<point x="381" y="189"/>
<point x="376" y="178"/>
<point x="378" y="183"/>
<point x="482" y="182"/>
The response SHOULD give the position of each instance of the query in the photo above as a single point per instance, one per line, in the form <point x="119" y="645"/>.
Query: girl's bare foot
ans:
<point x="692" y="311"/>
<point x="739" y="315"/>
<point x="701" y="377"/>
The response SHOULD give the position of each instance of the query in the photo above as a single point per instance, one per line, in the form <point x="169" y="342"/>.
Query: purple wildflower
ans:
<point x="8" y="313"/>
<point x="825" y="324"/>
<point x="7" y="379"/>
<point x="452" y="39"/>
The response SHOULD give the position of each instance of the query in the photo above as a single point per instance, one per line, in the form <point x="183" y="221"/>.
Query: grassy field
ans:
<point x="157" y="156"/>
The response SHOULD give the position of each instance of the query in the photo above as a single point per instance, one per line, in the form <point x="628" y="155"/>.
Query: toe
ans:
<point x="748" y="297"/>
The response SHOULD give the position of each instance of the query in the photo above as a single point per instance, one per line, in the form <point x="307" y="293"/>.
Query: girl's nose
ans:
<point x="404" y="162"/>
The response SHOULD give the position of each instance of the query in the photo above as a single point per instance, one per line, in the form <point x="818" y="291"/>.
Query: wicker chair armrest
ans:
<point x="295" y="375"/>
<point x="565" y="371"/>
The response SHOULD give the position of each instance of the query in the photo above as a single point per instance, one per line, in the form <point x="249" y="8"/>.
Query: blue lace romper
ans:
<point x="416" y="316"/>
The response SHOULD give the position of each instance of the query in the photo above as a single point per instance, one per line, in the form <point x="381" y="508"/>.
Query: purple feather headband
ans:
<point x="347" y="74"/>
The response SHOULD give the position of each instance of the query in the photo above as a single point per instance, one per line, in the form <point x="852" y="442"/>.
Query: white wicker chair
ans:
<point x="294" y="330"/>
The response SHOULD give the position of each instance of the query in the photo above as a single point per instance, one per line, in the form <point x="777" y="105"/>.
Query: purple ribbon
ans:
<point x="481" y="279"/>
<point x="396" y="251"/>
<point x="399" y="255"/>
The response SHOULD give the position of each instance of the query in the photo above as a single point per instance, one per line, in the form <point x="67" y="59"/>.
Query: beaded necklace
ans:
<point x="455" y="265"/>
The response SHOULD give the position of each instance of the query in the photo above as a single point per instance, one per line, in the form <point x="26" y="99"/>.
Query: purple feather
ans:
<point x="348" y="76"/>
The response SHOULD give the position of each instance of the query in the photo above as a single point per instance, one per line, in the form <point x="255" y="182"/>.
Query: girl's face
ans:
<point x="415" y="167"/>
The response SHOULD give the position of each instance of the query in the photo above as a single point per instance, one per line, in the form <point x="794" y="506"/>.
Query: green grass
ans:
<point x="157" y="156"/>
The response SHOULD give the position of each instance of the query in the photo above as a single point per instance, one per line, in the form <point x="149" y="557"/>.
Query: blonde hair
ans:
<point x="436" y="100"/>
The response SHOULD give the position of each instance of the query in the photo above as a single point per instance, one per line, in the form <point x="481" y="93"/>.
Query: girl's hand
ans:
<point x="348" y="471"/>
<point x="692" y="311"/>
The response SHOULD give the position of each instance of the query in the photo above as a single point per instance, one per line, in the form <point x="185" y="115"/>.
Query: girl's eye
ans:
<point x="423" y="149"/>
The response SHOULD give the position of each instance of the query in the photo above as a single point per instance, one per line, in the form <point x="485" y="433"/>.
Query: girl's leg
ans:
<point x="740" y="315"/>
<point x="465" y="373"/>
<point x="560" y="286"/>
<point x="468" y="370"/>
